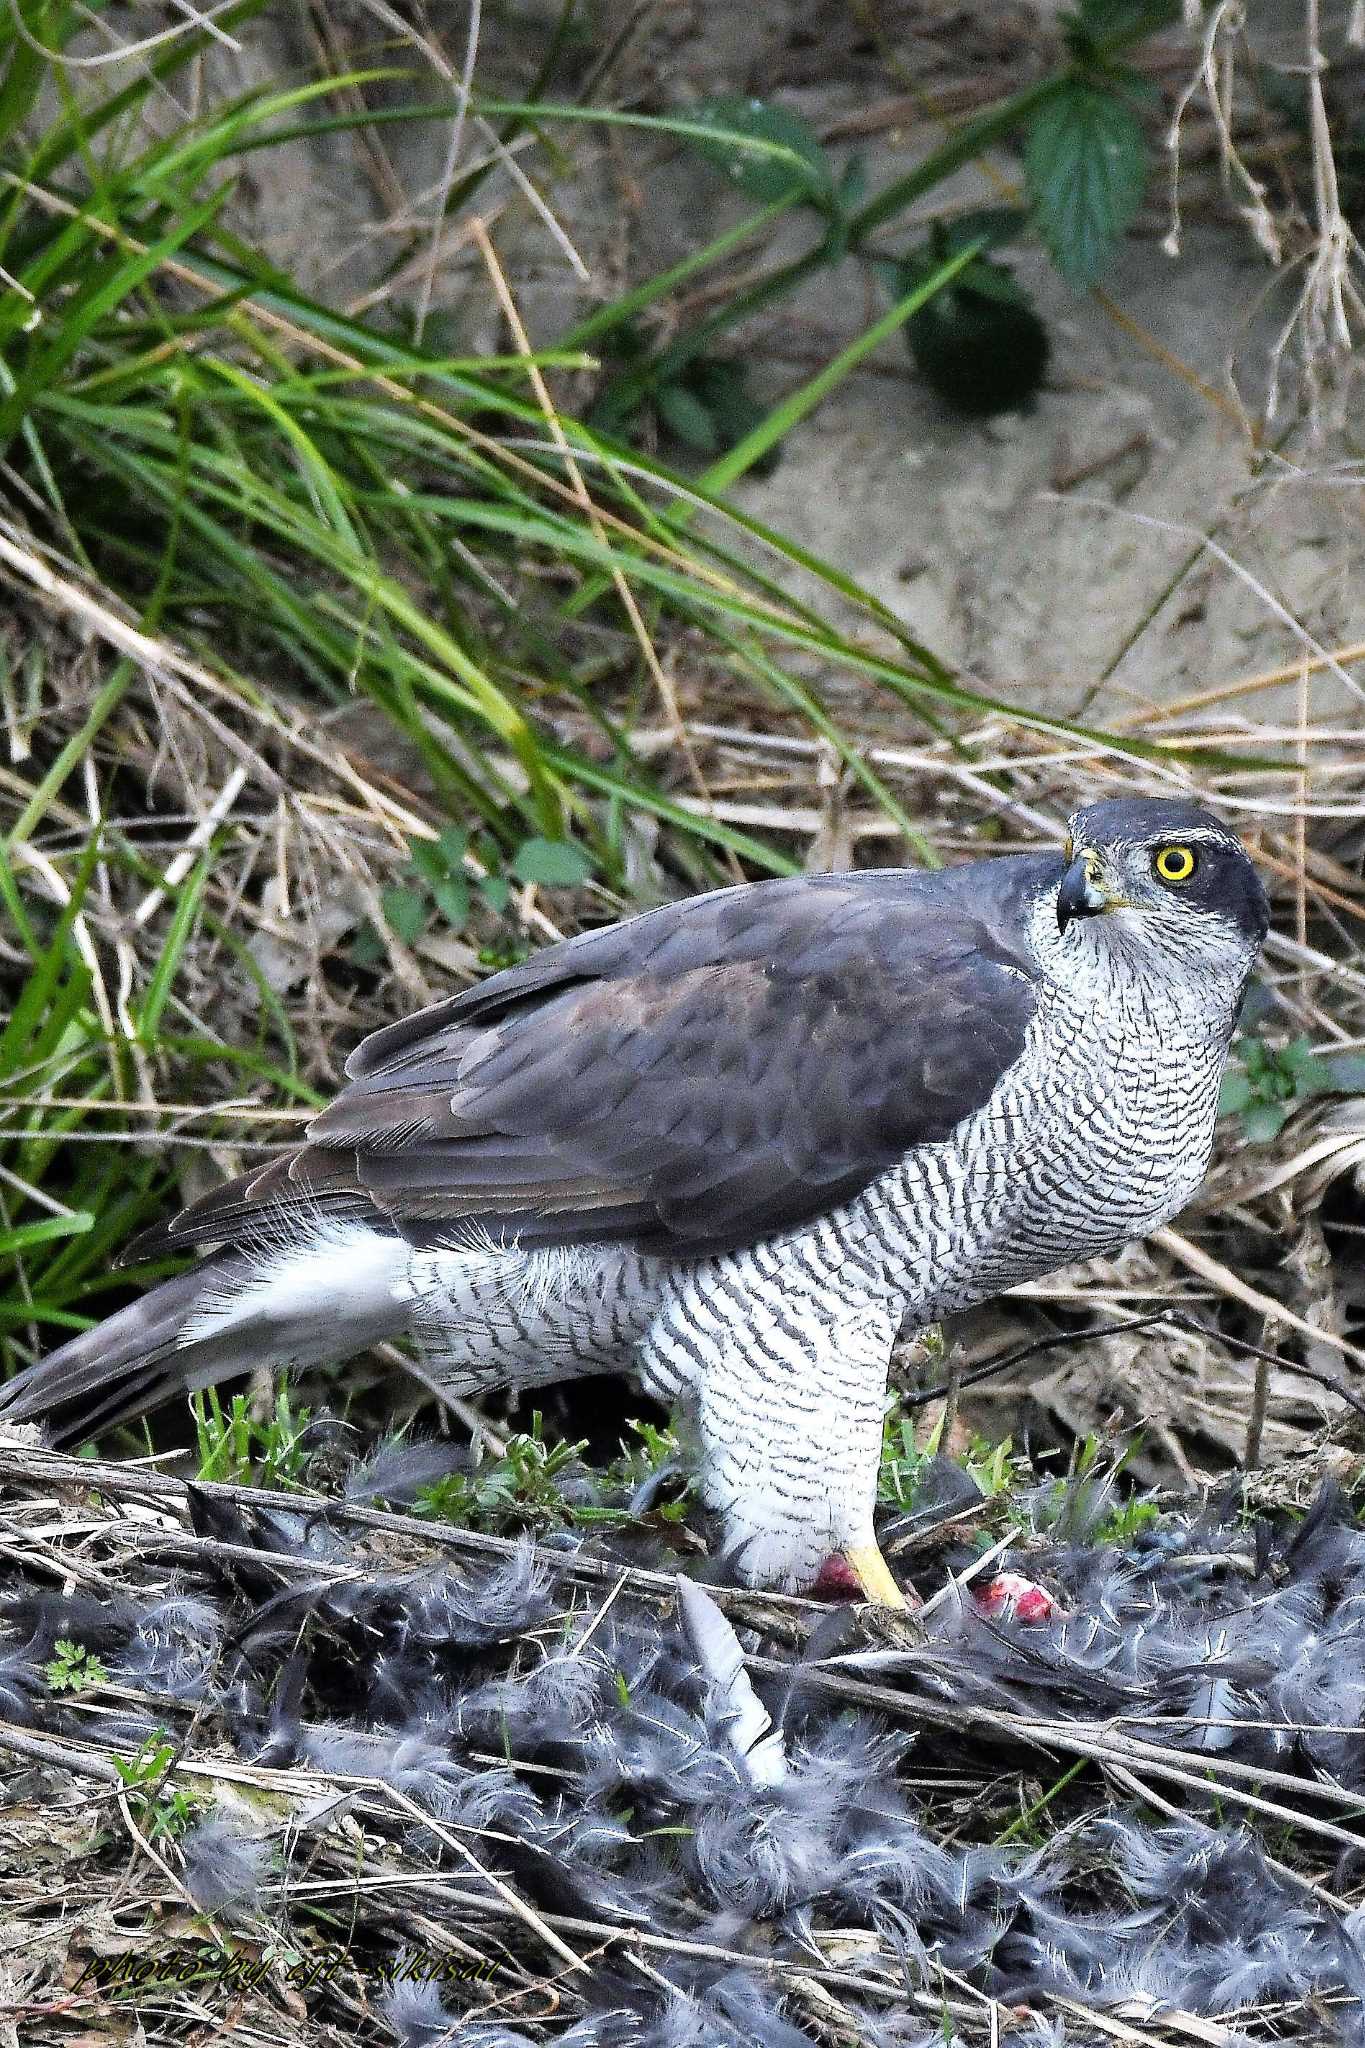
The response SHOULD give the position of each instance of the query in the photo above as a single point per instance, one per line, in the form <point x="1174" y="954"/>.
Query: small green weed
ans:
<point x="242" y="1449"/>
<point x="1085" y="167"/>
<point x="524" y="1488"/>
<point x="162" y="1814"/>
<point x="1267" y="1082"/>
<point x="1128" y="1521"/>
<point x="536" y="1485"/>
<point x="442" y="883"/>
<point x="653" y="1449"/>
<point x="979" y="342"/>
<point x="702" y="401"/>
<point x="73" y="1668"/>
<point x="1027" y="1825"/>
<point x="1084" y="1506"/>
<point x="903" y="1461"/>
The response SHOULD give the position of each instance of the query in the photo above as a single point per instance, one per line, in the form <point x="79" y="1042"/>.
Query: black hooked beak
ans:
<point x="1079" y="895"/>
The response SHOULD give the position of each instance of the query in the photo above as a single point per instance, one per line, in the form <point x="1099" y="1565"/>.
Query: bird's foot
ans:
<point x="871" y="1574"/>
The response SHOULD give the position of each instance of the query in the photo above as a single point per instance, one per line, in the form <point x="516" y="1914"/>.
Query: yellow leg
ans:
<point x="874" y="1576"/>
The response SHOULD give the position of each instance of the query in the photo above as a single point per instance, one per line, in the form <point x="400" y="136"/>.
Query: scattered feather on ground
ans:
<point x="388" y="1781"/>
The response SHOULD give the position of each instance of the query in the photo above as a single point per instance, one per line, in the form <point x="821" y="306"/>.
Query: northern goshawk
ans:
<point x="736" y="1144"/>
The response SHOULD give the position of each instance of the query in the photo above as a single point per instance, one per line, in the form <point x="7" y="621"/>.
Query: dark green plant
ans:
<point x="434" y="883"/>
<point x="533" y="1484"/>
<point x="1266" y="1082"/>
<point x="702" y="402"/>
<point x="439" y="886"/>
<point x="789" y="161"/>
<point x="1085" y="153"/>
<point x="522" y="1488"/>
<point x="1085" y="1506"/>
<point x="990" y="1465"/>
<point x="979" y="342"/>
<point x="653" y="1450"/>
<point x="1085" y="169"/>
<point x="1129" y="1520"/>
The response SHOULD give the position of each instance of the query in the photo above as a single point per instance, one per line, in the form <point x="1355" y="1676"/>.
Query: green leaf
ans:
<point x="103" y="288"/>
<point x="495" y="894"/>
<point x="1097" y="18"/>
<point x="454" y="845"/>
<point x="177" y="938"/>
<point x="22" y="84"/>
<point x="1235" y="1095"/>
<point x="768" y="152"/>
<point x="1085" y="161"/>
<point x="1306" y="1072"/>
<point x="1264" y="1121"/>
<point x="980" y="344"/>
<point x="367" y="948"/>
<point x="451" y="898"/>
<point x="723" y="389"/>
<point x="554" y="863"/>
<point x="428" y="861"/>
<point x="853" y="183"/>
<point x="687" y="419"/>
<point x="405" y="913"/>
<point x="25" y="1234"/>
<point x="990" y="227"/>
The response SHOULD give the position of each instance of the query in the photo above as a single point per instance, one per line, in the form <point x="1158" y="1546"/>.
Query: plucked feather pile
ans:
<point x="389" y="1744"/>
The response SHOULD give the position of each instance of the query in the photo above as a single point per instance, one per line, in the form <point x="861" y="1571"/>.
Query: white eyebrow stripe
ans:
<point x="1205" y="835"/>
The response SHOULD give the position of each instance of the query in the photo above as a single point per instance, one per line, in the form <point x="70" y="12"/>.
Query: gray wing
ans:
<point x="709" y="1074"/>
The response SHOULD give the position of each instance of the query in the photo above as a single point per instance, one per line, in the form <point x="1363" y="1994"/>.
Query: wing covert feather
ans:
<point x="705" y="1075"/>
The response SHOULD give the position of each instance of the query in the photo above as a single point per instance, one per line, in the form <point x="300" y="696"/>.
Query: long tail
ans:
<point x="304" y="1306"/>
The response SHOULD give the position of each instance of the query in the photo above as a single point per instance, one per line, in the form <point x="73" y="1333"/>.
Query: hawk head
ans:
<point x="1182" y="880"/>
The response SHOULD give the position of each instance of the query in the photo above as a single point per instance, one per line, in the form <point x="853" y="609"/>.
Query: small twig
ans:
<point x="1227" y="1282"/>
<point x="198" y="839"/>
<point x="1260" y="1402"/>
<point x="35" y="1464"/>
<point x="952" y="1388"/>
<point x="1135" y="1787"/>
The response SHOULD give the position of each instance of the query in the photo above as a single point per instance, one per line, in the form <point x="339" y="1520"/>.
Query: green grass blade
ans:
<point x="769" y="431"/>
<point x="111" y="284"/>
<point x="24" y="1236"/>
<point x="172" y="952"/>
<point x="69" y="756"/>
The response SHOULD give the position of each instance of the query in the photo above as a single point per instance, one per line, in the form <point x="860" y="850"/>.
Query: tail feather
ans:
<point x="306" y="1304"/>
<point x="132" y="1362"/>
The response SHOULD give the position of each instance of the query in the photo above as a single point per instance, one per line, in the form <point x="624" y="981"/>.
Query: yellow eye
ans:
<point x="1175" y="863"/>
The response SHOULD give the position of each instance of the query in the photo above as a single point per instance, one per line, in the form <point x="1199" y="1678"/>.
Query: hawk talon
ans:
<point x="873" y="1574"/>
